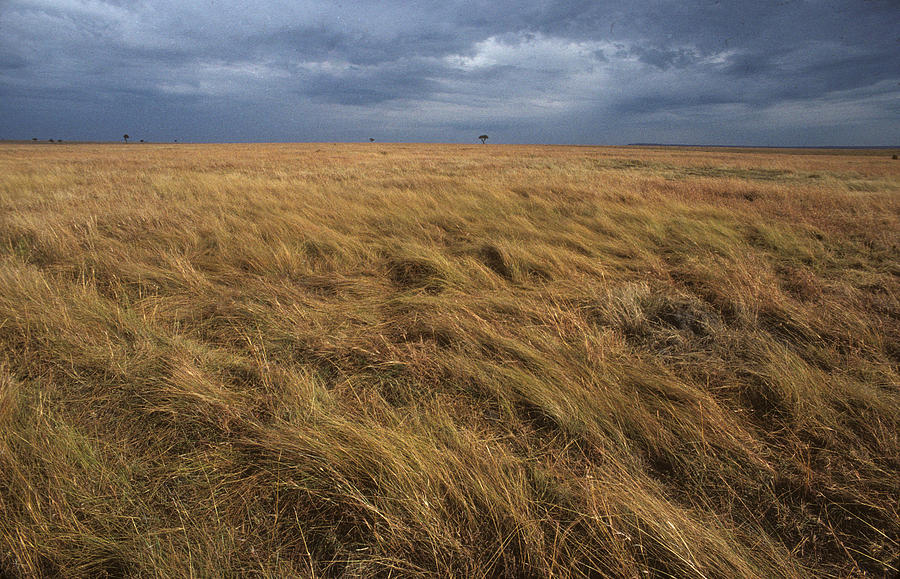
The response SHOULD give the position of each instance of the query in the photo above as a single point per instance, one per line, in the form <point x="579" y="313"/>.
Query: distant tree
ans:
<point x="59" y="140"/>
<point x="894" y="157"/>
<point x="142" y="140"/>
<point x="51" y="140"/>
<point x="483" y="138"/>
<point x="371" y="140"/>
<point x="126" y="137"/>
<point x="34" y="138"/>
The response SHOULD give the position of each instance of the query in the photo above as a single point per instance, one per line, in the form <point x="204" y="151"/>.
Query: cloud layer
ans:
<point x="813" y="72"/>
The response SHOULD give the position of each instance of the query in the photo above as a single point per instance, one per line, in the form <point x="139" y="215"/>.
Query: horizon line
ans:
<point x="636" y="144"/>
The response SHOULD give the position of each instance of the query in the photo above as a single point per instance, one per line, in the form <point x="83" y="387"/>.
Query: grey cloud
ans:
<point x="664" y="102"/>
<point x="301" y="42"/>
<point x="665" y="58"/>
<point x="361" y="86"/>
<point x="749" y="64"/>
<point x="560" y="71"/>
<point x="806" y="73"/>
<point x="11" y="61"/>
<point x="357" y="48"/>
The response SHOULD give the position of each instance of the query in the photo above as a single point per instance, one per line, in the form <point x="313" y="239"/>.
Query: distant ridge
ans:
<point x="878" y="147"/>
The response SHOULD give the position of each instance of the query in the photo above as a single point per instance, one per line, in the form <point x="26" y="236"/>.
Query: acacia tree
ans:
<point x="126" y="137"/>
<point x="483" y="138"/>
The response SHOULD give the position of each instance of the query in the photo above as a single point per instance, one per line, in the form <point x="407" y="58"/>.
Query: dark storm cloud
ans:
<point x="770" y="72"/>
<point x="670" y="102"/>
<point x="12" y="61"/>
<point x="362" y="86"/>
<point x="665" y="58"/>
<point x="360" y="48"/>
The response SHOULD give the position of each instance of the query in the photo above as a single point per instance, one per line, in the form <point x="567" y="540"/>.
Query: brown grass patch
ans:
<point x="346" y="360"/>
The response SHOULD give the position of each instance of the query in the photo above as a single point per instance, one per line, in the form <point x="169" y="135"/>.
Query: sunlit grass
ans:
<point x="374" y="359"/>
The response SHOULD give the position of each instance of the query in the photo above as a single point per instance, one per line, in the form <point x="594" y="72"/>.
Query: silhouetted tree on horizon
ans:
<point x="126" y="137"/>
<point x="483" y="138"/>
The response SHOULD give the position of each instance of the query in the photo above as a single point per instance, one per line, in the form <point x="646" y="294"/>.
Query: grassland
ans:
<point x="410" y="360"/>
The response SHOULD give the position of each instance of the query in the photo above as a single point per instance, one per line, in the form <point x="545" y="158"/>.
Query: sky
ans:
<point x="716" y="72"/>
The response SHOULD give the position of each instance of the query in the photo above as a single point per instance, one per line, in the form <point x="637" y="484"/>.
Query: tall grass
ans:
<point x="326" y="360"/>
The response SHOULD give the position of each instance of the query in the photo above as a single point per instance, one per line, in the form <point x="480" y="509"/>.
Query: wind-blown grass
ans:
<point x="327" y="360"/>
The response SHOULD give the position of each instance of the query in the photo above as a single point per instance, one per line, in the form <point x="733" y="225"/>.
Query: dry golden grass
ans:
<point x="409" y="360"/>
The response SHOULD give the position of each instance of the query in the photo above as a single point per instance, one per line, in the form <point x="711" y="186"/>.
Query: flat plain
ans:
<point x="409" y="360"/>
